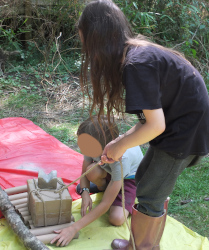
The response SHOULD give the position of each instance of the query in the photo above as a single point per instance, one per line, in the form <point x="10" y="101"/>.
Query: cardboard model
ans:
<point x="46" y="207"/>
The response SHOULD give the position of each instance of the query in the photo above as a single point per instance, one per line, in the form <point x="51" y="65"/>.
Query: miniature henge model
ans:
<point x="46" y="207"/>
<point x="18" y="196"/>
<point x="47" y="180"/>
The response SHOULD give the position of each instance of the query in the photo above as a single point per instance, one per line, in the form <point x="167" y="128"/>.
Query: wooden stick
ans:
<point x="18" y="196"/>
<point x="15" y="222"/>
<point x="25" y="213"/>
<point x="23" y="209"/>
<point x="50" y="229"/>
<point x="19" y="201"/>
<point x="21" y="205"/>
<point x="46" y="239"/>
<point x="30" y="222"/>
<point x="27" y="218"/>
<point x="66" y="186"/>
<point x="72" y="218"/>
<point x="16" y="190"/>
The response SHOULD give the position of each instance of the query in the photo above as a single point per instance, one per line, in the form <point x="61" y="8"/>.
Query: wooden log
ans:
<point x="27" y="218"/>
<point x="16" y="190"/>
<point x="21" y="205"/>
<point x="31" y="226"/>
<point x="25" y="213"/>
<point x="30" y="221"/>
<point x="46" y="239"/>
<point x="17" y="225"/>
<point x="50" y="229"/>
<point x="19" y="201"/>
<point x="23" y="209"/>
<point x="18" y="196"/>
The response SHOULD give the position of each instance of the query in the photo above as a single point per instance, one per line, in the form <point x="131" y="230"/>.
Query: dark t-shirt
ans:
<point x="155" y="78"/>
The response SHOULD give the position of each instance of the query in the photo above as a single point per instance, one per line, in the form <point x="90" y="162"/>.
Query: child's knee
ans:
<point x="116" y="219"/>
<point x="91" y="175"/>
<point x="96" y="174"/>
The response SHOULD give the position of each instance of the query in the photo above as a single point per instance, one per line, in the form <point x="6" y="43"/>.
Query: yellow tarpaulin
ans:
<point x="99" y="234"/>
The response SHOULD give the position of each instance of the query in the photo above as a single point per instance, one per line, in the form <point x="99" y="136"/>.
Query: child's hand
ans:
<point x="104" y="159"/>
<point x="86" y="203"/>
<point x="64" y="236"/>
<point x="112" y="152"/>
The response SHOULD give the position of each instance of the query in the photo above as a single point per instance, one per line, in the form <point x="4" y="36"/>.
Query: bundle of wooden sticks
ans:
<point x="18" y="197"/>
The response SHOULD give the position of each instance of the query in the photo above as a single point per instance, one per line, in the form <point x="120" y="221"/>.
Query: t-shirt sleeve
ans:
<point x="115" y="171"/>
<point x="142" y="83"/>
<point x="116" y="167"/>
<point x="126" y="165"/>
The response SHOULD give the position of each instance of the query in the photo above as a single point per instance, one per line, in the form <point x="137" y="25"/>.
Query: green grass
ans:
<point x="192" y="185"/>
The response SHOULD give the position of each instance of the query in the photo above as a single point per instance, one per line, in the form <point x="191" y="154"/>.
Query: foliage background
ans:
<point x="40" y="63"/>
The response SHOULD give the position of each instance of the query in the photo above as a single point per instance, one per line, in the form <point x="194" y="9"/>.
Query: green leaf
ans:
<point x="202" y="26"/>
<point x="196" y="41"/>
<point x="134" y="4"/>
<point x="25" y="20"/>
<point x="23" y="90"/>
<point x="194" y="8"/>
<point x="194" y="52"/>
<point x="166" y="16"/>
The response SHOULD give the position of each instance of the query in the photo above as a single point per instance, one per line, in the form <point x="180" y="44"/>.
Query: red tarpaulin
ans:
<point x="25" y="149"/>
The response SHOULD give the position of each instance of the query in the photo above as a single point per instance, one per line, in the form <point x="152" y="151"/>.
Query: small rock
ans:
<point x="185" y="202"/>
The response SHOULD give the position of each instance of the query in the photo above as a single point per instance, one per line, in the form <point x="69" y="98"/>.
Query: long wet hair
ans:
<point x="106" y="36"/>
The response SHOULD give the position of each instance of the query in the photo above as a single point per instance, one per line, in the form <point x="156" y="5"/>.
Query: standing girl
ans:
<point x="167" y="94"/>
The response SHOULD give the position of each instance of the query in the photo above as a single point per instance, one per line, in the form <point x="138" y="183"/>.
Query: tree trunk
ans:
<point x="29" y="240"/>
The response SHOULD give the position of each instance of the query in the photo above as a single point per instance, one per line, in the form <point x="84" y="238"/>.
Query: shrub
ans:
<point x="180" y="24"/>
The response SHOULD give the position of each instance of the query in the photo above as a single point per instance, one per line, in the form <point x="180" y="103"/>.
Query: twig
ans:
<point x="57" y="46"/>
<point x="185" y="41"/>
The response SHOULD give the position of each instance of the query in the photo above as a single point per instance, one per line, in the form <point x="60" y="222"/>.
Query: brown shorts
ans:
<point x="129" y="193"/>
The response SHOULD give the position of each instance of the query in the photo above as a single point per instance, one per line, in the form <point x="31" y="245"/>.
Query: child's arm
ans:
<point x="66" y="235"/>
<point x="84" y="182"/>
<point x="137" y="135"/>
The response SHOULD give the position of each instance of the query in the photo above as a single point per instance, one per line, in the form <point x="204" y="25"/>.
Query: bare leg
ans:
<point x="97" y="176"/>
<point x="116" y="215"/>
